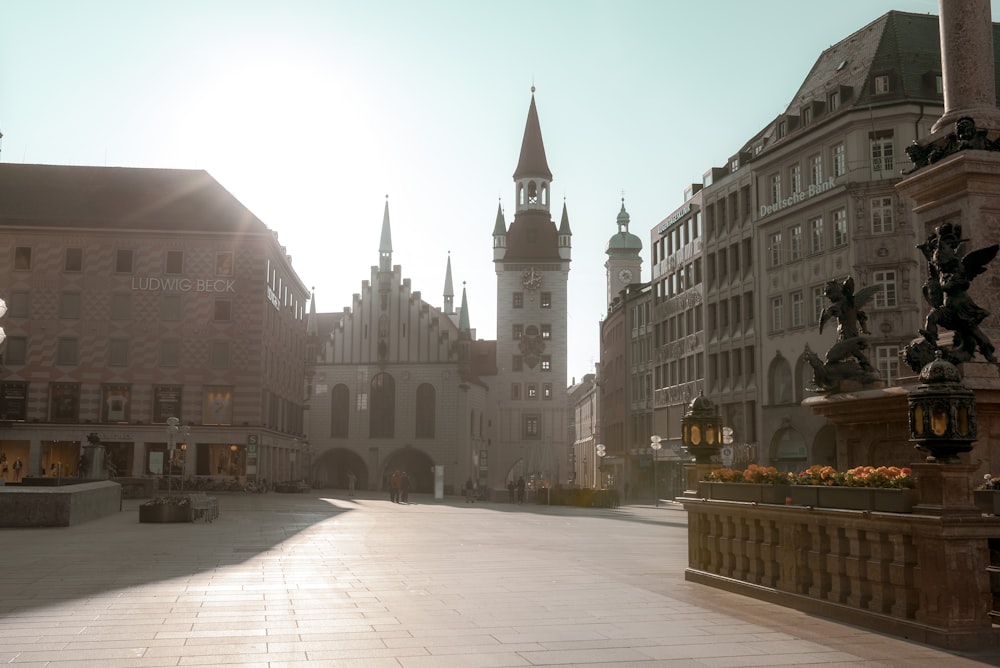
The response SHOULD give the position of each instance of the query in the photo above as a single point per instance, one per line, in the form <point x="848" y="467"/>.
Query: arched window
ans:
<point x="532" y="193"/>
<point x="779" y="382"/>
<point x="340" y="411"/>
<point x="803" y="379"/>
<point x="426" y="407"/>
<point x="382" y="416"/>
<point x="545" y="194"/>
<point x="520" y="195"/>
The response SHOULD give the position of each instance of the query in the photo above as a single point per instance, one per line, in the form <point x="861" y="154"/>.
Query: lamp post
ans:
<point x="173" y="428"/>
<point x="601" y="453"/>
<point x="654" y="443"/>
<point x="701" y="430"/>
<point x="184" y="448"/>
<point x="232" y="458"/>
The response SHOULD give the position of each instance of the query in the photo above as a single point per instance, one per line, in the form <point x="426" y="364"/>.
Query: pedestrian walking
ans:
<point x="394" y="487"/>
<point x="510" y="491"/>
<point x="351" y="481"/>
<point x="404" y="487"/>
<point x="468" y="491"/>
<point x="520" y="489"/>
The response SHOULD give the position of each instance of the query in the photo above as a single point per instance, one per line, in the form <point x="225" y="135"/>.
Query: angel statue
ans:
<point x="949" y="275"/>
<point x="846" y="359"/>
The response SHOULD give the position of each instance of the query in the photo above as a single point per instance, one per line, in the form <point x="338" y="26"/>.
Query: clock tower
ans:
<point x="531" y="258"/>
<point x="624" y="264"/>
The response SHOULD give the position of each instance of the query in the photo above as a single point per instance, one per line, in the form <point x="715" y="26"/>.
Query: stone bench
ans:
<point x="203" y="507"/>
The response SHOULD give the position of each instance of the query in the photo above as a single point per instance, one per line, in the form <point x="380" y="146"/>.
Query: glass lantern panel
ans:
<point x="918" y="419"/>
<point x="710" y="434"/>
<point x="939" y="419"/>
<point x="695" y="434"/>
<point x="962" y="426"/>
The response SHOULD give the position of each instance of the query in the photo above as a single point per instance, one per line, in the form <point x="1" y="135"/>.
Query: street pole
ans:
<point x="654" y="443"/>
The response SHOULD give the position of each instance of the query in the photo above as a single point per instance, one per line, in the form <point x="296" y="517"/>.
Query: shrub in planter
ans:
<point x="166" y="509"/>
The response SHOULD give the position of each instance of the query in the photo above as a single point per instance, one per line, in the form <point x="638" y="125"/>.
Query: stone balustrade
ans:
<point x="923" y="577"/>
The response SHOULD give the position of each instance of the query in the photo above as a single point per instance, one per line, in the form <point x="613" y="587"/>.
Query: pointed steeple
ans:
<point x="463" y="320"/>
<point x="449" y="291"/>
<point x="532" y="161"/>
<point x="499" y="235"/>
<point x="565" y="235"/>
<point x="385" y="245"/>
<point x="312" y="326"/>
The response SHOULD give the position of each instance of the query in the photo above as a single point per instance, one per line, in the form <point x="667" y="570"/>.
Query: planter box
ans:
<point x="166" y="512"/>
<point x="817" y="496"/>
<point x="743" y="491"/>
<point x="987" y="500"/>
<point x="855" y="498"/>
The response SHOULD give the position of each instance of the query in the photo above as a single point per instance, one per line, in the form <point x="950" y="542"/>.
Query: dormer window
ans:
<point x="807" y="115"/>
<point x="881" y="84"/>
<point x="834" y="100"/>
<point x="782" y="129"/>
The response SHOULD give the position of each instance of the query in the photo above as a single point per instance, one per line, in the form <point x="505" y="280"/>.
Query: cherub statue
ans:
<point x="846" y="359"/>
<point x="946" y="290"/>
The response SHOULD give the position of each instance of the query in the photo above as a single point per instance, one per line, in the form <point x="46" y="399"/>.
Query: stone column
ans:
<point x="967" y="65"/>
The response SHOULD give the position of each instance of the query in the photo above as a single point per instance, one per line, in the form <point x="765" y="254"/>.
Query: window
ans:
<point x="121" y="307"/>
<point x="881" y="208"/>
<point x="887" y="363"/>
<point x="816" y="170"/>
<point x="426" y="410"/>
<point x="382" y="417"/>
<point x="886" y="297"/>
<point x="218" y="355"/>
<point x="517" y="363"/>
<point x="797" y="315"/>
<point x="118" y="352"/>
<point x="839" y="228"/>
<point x="340" y="413"/>
<point x="775" y="188"/>
<point x="819" y="302"/>
<point x="777" y="314"/>
<point x="882" y="155"/>
<point x="16" y="350"/>
<point x="816" y="235"/>
<point x="515" y="391"/>
<point x="795" y="179"/>
<point x="518" y="300"/>
<point x="881" y="84"/>
<point x="66" y="351"/>
<point x="545" y="300"/>
<point x="531" y="427"/>
<point x="175" y="262"/>
<point x="22" y="258"/>
<point x="774" y="249"/>
<point x="170" y="308"/>
<point x="517" y="331"/>
<point x="807" y="116"/>
<point x="17" y="305"/>
<point x="839" y="160"/>
<point x="795" y="243"/>
<point x="833" y="101"/>
<point x="74" y="260"/>
<point x="546" y="332"/>
<point x="64" y="401"/>
<point x="546" y="390"/>
<point x="224" y="265"/>
<point x="223" y="310"/>
<point x="169" y="353"/>
<point x="13" y="401"/>
<point x="532" y="390"/>
<point x="69" y="305"/>
<point x="123" y="261"/>
<point x="546" y="363"/>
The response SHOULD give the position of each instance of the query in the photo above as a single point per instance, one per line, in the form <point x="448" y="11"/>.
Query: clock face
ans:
<point x="625" y="276"/>
<point x="531" y="279"/>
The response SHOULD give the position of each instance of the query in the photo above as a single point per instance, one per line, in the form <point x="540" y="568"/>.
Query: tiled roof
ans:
<point x="120" y="198"/>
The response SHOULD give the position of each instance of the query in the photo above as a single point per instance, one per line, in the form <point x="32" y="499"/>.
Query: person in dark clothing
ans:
<point x="468" y="491"/>
<point x="520" y="490"/>
<point x="404" y="488"/>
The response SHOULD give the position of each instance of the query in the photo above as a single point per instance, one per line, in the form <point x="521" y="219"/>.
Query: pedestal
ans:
<point x="945" y="489"/>
<point x="693" y="474"/>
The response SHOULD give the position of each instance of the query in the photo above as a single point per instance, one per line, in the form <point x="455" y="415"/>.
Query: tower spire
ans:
<point x="449" y="291"/>
<point x="385" y="245"/>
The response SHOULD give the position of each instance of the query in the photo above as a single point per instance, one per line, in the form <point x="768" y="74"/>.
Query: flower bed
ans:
<point x="883" y="489"/>
<point x="166" y="509"/>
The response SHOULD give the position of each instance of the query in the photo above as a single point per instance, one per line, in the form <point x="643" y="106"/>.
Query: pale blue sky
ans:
<point x="311" y="112"/>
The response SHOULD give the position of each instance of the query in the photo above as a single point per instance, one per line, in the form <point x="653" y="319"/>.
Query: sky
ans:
<point x="312" y="112"/>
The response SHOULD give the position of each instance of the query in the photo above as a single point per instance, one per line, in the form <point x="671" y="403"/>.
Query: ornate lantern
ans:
<point x="942" y="412"/>
<point x="701" y="429"/>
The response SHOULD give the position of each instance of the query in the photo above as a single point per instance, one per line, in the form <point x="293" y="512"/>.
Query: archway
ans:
<point x="419" y="469"/>
<point x="331" y="469"/>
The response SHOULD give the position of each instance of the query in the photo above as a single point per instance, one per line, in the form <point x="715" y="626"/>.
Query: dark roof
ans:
<point x="532" y="161"/>
<point x="532" y="236"/>
<point x="120" y="198"/>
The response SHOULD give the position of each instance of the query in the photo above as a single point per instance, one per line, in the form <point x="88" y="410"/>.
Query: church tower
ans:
<point x="531" y="259"/>
<point x="624" y="264"/>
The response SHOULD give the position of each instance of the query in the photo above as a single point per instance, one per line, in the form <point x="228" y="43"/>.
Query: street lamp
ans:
<point x="701" y="433"/>
<point x="654" y="442"/>
<point x="3" y="312"/>
<point x="173" y="428"/>
<point x="601" y="453"/>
